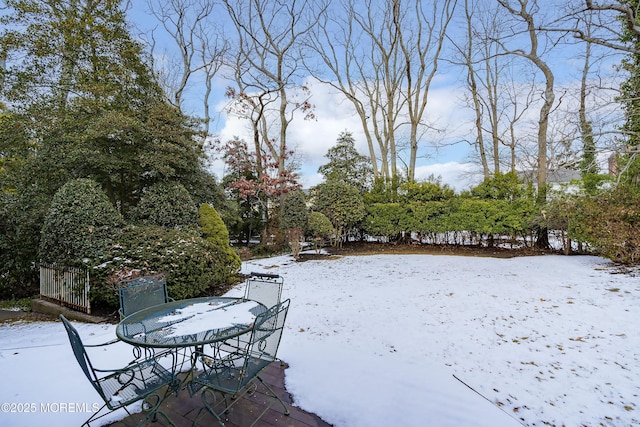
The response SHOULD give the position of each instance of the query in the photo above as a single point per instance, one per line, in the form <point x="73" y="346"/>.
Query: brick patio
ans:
<point x="183" y="409"/>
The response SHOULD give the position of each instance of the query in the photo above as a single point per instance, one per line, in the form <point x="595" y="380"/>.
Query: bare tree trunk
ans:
<point x="548" y="97"/>
<point x="473" y="88"/>
<point x="270" y="34"/>
<point x="421" y="41"/>
<point x="403" y="47"/>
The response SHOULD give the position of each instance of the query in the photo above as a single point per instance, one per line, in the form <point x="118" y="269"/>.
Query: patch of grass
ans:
<point x="23" y="304"/>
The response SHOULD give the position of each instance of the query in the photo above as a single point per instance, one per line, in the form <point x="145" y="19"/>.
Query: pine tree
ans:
<point x="347" y="165"/>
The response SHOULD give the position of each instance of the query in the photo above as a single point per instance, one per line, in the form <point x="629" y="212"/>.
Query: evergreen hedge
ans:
<point x="194" y="266"/>
<point x="466" y="219"/>
<point x="82" y="228"/>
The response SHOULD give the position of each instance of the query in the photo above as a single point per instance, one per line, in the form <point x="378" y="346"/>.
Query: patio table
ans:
<point x="189" y="323"/>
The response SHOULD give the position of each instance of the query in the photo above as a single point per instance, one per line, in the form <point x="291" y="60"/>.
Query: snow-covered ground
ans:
<point x="406" y="340"/>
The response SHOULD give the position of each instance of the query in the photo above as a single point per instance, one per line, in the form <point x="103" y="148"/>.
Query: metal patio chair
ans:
<point x="238" y="373"/>
<point x="140" y="380"/>
<point x="142" y="292"/>
<point x="264" y="288"/>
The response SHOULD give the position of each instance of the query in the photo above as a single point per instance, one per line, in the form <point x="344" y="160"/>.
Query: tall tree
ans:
<point x="383" y="56"/>
<point x="486" y="71"/>
<point x="343" y="66"/>
<point x="422" y="30"/>
<point x="346" y="164"/>
<point x="267" y="67"/>
<point x="58" y="51"/>
<point x="88" y="97"/>
<point x="467" y="53"/>
<point x="615" y="25"/>
<point x="525" y="11"/>
<point x="500" y="89"/>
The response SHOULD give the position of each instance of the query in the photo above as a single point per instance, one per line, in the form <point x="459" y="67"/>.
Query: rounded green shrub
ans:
<point x="80" y="224"/>
<point x="319" y="228"/>
<point x="194" y="266"/>
<point x="167" y="204"/>
<point x="212" y="226"/>
<point x="318" y="225"/>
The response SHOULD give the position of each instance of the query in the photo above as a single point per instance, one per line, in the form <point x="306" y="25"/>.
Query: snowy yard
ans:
<point x="389" y="340"/>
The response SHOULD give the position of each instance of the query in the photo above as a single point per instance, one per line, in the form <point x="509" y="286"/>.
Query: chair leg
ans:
<point x="273" y="394"/>
<point x="210" y="407"/>
<point x="151" y="404"/>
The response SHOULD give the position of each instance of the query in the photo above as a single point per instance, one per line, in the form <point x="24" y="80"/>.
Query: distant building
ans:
<point x="554" y="176"/>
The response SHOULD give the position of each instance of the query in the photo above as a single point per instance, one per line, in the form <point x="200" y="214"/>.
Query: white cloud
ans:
<point x="312" y="138"/>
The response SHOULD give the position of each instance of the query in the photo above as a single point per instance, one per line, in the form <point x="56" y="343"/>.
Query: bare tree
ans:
<point x="467" y="53"/>
<point x="520" y="99"/>
<point x="525" y="12"/>
<point x="345" y="67"/>
<point x="498" y="89"/>
<point x="383" y="57"/>
<point x="267" y="65"/>
<point x="382" y="79"/>
<point x="480" y="60"/>
<point x="199" y="49"/>
<point x="607" y="19"/>
<point x="421" y="31"/>
<point x="594" y="113"/>
<point x="354" y="60"/>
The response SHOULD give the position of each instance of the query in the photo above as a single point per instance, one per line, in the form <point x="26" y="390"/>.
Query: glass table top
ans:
<point x="189" y="322"/>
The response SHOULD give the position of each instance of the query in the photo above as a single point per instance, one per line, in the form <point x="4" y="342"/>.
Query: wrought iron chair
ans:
<point x="142" y="292"/>
<point x="264" y="288"/>
<point x="238" y="373"/>
<point x="141" y="379"/>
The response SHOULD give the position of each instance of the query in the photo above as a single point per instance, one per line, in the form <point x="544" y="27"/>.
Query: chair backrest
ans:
<point x="267" y="332"/>
<point x="81" y="354"/>
<point x="233" y="371"/>
<point x="142" y="292"/>
<point x="264" y="288"/>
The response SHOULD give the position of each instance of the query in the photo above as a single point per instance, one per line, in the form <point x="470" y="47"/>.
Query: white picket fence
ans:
<point x="68" y="286"/>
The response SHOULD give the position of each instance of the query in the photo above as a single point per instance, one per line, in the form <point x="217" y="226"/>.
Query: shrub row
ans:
<point x="456" y="219"/>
